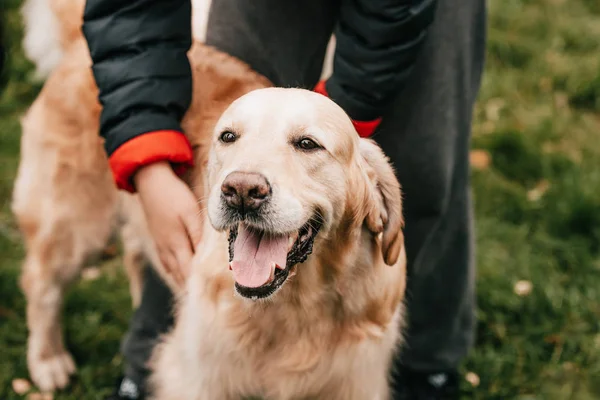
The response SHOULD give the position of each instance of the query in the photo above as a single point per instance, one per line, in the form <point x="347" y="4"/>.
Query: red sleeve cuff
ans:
<point x="320" y="88"/>
<point x="364" y="129"/>
<point x="146" y="149"/>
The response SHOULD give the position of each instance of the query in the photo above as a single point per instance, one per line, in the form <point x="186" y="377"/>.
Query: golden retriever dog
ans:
<point x="296" y="290"/>
<point x="308" y="217"/>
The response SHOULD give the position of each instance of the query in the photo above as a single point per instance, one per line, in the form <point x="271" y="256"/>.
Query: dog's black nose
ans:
<point x="245" y="191"/>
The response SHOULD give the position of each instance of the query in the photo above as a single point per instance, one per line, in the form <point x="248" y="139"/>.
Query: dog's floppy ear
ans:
<point x="383" y="203"/>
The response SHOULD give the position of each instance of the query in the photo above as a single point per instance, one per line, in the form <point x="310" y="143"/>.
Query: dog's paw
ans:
<point x="51" y="373"/>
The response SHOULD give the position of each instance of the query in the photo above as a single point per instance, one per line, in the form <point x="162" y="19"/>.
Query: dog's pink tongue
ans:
<point x="253" y="255"/>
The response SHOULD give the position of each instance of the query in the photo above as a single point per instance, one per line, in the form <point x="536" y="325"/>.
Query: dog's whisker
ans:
<point x="202" y="212"/>
<point x="319" y="216"/>
<point x="202" y="200"/>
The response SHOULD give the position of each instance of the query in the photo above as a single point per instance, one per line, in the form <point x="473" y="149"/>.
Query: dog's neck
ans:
<point x="337" y="284"/>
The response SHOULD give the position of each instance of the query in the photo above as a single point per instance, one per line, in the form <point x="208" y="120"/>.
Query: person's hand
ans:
<point x="173" y="216"/>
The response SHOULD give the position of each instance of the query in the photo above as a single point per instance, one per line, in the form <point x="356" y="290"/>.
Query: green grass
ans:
<point x="538" y="116"/>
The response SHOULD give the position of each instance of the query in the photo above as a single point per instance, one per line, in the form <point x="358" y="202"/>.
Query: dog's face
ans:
<point x="285" y="166"/>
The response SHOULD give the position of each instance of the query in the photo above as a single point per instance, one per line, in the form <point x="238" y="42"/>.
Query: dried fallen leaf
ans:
<point x="561" y="100"/>
<point x="90" y="274"/>
<point x="538" y="191"/>
<point x="545" y="84"/>
<point x="472" y="378"/>
<point x="569" y="366"/>
<point x="21" y="386"/>
<point x="553" y="339"/>
<point x="523" y="288"/>
<point x="480" y="159"/>
<point x="493" y="108"/>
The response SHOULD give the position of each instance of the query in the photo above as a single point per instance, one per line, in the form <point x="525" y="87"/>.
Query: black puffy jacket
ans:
<point x="139" y="47"/>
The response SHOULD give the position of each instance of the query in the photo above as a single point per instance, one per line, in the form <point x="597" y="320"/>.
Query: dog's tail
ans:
<point x="50" y="27"/>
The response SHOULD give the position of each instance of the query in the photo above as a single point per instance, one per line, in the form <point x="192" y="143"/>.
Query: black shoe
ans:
<point x="417" y="385"/>
<point x="126" y="390"/>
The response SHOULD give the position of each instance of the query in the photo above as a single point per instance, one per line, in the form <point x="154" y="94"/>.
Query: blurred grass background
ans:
<point x="536" y="180"/>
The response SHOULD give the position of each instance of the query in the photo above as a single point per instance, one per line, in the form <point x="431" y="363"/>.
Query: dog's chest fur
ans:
<point x="288" y="348"/>
<point x="264" y="352"/>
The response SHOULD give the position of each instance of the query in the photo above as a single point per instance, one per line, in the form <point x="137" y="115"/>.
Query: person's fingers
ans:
<point x="177" y="271"/>
<point x="193" y="225"/>
<point x="169" y="261"/>
<point x="164" y="260"/>
<point x="183" y="255"/>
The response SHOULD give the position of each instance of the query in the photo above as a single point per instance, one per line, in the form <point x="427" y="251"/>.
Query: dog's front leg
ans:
<point x="49" y="363"/>
<point x="178" y="375"/>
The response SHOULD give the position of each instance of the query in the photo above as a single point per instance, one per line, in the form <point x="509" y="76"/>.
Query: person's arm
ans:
<point x="377" y="44"/>
<point x="139" y="54"/>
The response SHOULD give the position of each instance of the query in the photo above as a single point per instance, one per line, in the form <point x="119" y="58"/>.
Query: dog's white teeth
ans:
<point x="291" y="241"/>
<point x="273" y="267"/>
<point x="305" y="237"/>
<point x="230" y="268"/>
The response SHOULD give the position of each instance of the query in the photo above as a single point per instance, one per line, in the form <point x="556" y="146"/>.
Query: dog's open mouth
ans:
<point x="261" y="261"/>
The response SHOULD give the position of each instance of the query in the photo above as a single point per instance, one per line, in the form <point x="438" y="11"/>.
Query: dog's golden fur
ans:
<point x="328" y="333"/>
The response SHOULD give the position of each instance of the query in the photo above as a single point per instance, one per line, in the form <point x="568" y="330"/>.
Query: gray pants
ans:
<point x="426" y="134"/>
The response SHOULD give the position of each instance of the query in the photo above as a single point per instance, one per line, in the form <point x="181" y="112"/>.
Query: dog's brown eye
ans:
<point x="228" y="137"/>
<point x="307" y="144"/>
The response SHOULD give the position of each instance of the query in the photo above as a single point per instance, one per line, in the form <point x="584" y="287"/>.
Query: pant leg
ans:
<point x="282" y="40"/>
<point x="151" y="319"/>
<point x="427" y="135"/>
